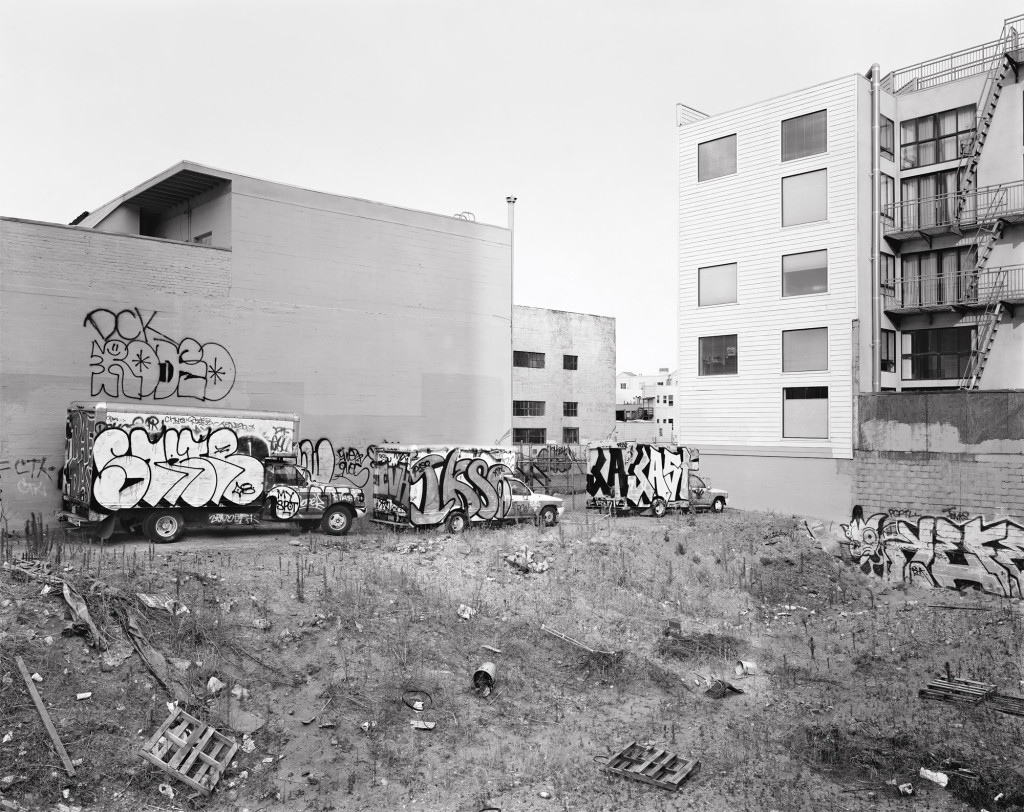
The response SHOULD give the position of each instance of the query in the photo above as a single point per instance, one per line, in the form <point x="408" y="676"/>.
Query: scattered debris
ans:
<point x="466" y="612"/>
<point x="419" y="724"/>
<point x="523" y="560"/>
<point x="83" y="695"/>
<point x="492" y="649"/>
<point x="483" y="678"/>
<point x="939" y="778"/>
<point x="366" y="727"/>
<point x="719" y="688"/>
<point x="214" y="686"/>
<point x="575" y="642"/>
<point x="544" y="794"/>
<point x="167" y="790"/>
<point x="260" y="623"/>
<point x="248" y="743"/>
<point x="308" y="721"/>
<point x="650" y="765"/>
<point x="163" y="602"/>
<point x="190" y="750"/>
<point x="116" y="653"/>
<point x="47" y="723"/>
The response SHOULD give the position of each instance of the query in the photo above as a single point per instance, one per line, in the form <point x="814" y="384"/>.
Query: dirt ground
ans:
<point x="334" y="647"/>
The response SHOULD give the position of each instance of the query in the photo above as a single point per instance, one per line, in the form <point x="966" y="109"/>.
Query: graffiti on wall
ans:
<point x="347" y="465"/>
<point x="424" y="487"/>
<point x="639" y="472"/>
<point x="555" y="459"/>
<point x="34" y="475"/>
<point x="135" y="467"/>
<point x="939" y="551"/>
<point x="132" y="359"/>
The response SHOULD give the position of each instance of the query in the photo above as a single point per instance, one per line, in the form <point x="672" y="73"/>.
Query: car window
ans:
<point x="519" y="489"/>
<point x="696" y="482"/>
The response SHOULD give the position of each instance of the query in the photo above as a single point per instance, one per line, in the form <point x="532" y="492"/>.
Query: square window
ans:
<point x="805" y="350"/>
<point x="804" y="135"/>
<point x="716" y="284"/>
<point x="805" y="273"/>
<point x="623" y="386"/>
<point x="805" y="198"/>
<point x="716" y="158"/>
<point x="570" y="361"/>
<point x="805" y="412"/>
<point x="527" y="408"/>
<point x="570" y="435"/>
<point x="532" y="360"/>
<point x="570" y="408"/>
<point x="718" y="355"/>
<point x="529" y="436"/>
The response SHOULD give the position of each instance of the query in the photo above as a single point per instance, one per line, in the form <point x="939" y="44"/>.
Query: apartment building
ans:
<point x="859" y="236"/>
<point x="650" y="398"/>
<point x="563" y="376"/>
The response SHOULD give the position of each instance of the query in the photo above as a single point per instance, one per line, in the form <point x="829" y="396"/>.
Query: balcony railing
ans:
<point x="958" y="65"/>
<point x="934" y="215"/>
<point x="964" y="290"/>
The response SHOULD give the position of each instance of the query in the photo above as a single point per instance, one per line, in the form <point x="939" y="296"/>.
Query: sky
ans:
<point x="446" y="106"/>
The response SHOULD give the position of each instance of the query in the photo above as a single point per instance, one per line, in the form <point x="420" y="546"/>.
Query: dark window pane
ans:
<point x="716" y="158"/>
<point x="805" y="273"/>
<point x="718" y="355"/>
<point x="804" y="135"/>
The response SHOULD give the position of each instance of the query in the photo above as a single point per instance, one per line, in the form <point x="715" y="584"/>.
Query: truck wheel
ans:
<point x="337" y="520"/>
<point x="718" y="505"/>
<point x="163" y="526"/>
<point x="548" y="517"/>
<point x="455" y="523"/>
<point x="659" y="507"/>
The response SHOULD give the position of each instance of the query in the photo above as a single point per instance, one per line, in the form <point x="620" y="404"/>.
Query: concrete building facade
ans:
<point x="208" y="288"/>
<point x="860" y="236"/>
<point x="563" y="377"/>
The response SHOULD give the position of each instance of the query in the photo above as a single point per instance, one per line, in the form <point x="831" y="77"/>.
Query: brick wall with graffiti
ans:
<point x="950" y="551"/>
<point x="423" y="486"/>
<point x="639" y="473"/>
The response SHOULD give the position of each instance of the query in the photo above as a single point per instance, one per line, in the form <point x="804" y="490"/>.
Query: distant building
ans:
<point x="647" y="398"/>
<point x="854" y="238"/>
<point x="563" y="376"/>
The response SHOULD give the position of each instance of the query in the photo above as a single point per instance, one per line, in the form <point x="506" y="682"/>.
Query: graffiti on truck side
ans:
<point x="427" y="488"/>
<point x="639" y="472"/>
<point x="940" y="552"/>
<point x="327" y="462"/>
<point x="135" y="467"/>
<point x="132" y="359"/>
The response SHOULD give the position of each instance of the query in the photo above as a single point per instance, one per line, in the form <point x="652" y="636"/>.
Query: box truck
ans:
<point x="648" y="478"/>
<point x="159" y="469"/>
<point x="454" y="486"/>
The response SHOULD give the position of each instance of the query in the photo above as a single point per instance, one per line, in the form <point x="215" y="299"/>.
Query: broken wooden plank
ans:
<point x="651" y="765"/>
<point x="179" y="748"/>
<point x="45" y="716"/>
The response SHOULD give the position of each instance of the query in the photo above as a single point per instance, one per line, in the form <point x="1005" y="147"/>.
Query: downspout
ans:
<point x="876" y="246"/>
<point x="511" y="306"/>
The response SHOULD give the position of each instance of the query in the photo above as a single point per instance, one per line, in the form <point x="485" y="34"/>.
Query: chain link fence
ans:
<point x="556" y="469"/>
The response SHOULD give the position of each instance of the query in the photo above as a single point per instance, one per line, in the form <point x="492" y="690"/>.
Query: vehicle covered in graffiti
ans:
<point x="454" y="486"/>
<point x="130" y="468"/>
<point x="648" y="478"/>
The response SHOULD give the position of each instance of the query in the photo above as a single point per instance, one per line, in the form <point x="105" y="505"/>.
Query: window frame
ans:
<point x="701" y="286"/>
<point x="702" y="367"/>
<point x="786" y="295"/>
<point x="710" y="165"/>
<point x="911" y="362"/>
<point x="529" y="436"/>
<point x="811" y="139"/>
<point x="805" y="392"/>
<point x="570" y="435"/>
<point x="887" y="351"/>
<point x="570" y="408"/>
<point x="887" y="138"/>
<point x="823" y="173"/>
<point x="785" y="333"/>
<point x="528" y="408"/>
<point x="570" y="362"/>
<point x="527" y="359"/>
<point x="913" y="146"/>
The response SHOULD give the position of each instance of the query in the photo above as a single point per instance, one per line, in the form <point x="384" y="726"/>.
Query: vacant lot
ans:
<point x="334" y="647"/>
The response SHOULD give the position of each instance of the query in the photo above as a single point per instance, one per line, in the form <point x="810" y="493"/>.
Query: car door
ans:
<point x="700" y="493"/>
<point x="524" y="503"/>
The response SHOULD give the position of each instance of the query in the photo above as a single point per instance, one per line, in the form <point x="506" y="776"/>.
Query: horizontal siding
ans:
<point x="737" y="219"/>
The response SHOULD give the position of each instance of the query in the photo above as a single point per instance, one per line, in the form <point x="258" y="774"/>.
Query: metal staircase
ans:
<point x="988" y="323"/>
<point x="995" y="79"/>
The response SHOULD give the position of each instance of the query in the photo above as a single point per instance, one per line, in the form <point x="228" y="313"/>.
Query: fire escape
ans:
<point x="984" y="294"/>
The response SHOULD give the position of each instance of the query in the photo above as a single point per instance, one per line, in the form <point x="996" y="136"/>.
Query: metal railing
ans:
<point x="957" y="65"/>
<point x="940" y="211"/>
<point x="964" y="289"/>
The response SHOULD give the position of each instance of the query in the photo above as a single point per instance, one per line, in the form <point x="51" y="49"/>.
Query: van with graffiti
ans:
<point x="130" y="468"/>
<point x="454" y="487"/>
<point x="648" y="478"/>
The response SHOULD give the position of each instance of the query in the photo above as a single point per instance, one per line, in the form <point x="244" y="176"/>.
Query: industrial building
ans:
<point x="563" y="377"/>
<point x="209" y="288"/>
<point x="851" y="282"/>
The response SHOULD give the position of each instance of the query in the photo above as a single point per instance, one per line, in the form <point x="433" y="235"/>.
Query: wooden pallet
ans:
<point x="1007" y="704"/>
<point x="192" y="751"/>
<point x="652" y="766"/>
<point x="951" y="689"/>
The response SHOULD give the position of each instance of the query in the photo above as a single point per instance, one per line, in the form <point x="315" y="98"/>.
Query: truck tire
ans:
<point x="659" y="507"/>
<point x="163" y="526"/>
<point x="456" y="522"/>
<point x="548" y="517"/>
<point x="337" y="521"/>
<point x="718" y="505"/>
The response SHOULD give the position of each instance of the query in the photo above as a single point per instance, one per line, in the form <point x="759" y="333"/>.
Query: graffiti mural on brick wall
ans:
<point x="31" y="476"/>
<point x="424" y="487"/>
<point x="135" y="467"/>
<point x="329" y="463"/>
<point x="132" y="359"/>
<point x="939" y="551"/>
<point x="639" y="473"/>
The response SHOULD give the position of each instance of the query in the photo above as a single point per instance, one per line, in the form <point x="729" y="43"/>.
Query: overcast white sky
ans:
<point x="440" y="105"/>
